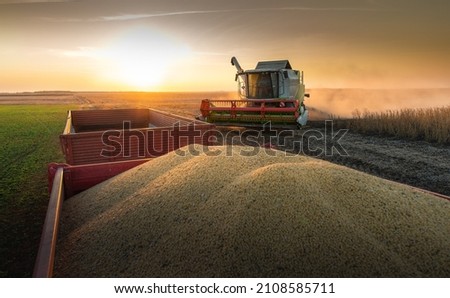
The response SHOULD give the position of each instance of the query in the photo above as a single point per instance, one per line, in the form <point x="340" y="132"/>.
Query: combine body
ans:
<point x="272" y="92"/>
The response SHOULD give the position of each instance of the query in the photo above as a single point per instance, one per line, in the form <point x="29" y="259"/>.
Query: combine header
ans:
<point x="272" y="92"/>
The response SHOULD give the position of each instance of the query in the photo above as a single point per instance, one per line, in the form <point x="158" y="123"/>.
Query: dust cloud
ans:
<point x="343" y="102"/>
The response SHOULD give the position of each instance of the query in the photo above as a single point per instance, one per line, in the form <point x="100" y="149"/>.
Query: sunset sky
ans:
<point x="172" y="45"/>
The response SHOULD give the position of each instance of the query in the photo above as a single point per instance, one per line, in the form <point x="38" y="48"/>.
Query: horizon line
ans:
<point x="201" y="91"/>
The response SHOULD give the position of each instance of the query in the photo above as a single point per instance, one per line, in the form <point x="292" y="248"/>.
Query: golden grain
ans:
<point x="260" y="216"/>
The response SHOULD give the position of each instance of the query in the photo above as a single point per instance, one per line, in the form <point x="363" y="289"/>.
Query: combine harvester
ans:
<point x="272" y="92"/>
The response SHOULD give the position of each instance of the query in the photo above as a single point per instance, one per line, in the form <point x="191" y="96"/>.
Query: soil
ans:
<point x="416" y="163"/>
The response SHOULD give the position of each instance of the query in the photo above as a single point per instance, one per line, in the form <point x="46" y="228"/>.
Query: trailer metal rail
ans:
<point x="47" y="247"/>
<point x="65" y="181"/>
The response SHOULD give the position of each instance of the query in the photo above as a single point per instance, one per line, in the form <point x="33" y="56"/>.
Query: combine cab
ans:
<point x="272" y="92"/>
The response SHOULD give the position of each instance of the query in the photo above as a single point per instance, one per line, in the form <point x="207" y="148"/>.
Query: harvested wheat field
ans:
<point x="268" y="215"/>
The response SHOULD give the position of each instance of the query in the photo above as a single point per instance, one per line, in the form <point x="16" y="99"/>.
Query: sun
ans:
<point x="140" y="71"/>
<point x="143" y="58"/>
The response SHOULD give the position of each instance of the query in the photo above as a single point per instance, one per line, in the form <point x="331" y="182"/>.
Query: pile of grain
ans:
<point x="260" y="216"/>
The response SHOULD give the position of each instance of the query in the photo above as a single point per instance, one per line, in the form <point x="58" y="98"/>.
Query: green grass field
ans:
<point x="29" y="140"/>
